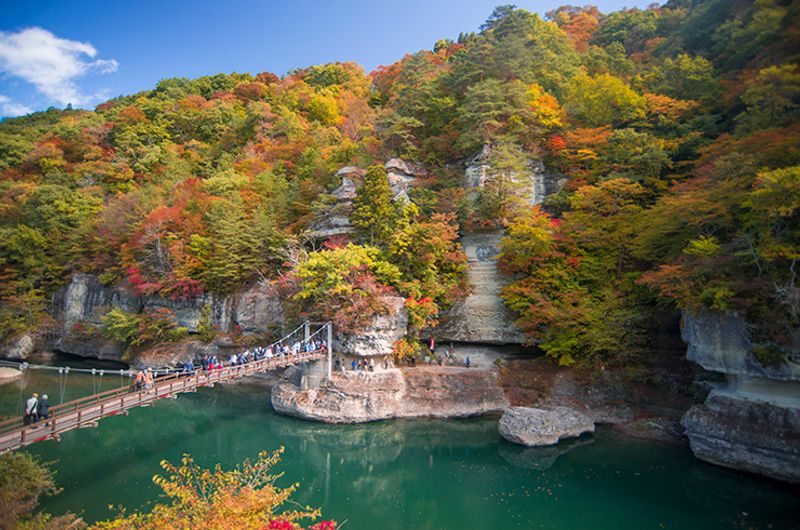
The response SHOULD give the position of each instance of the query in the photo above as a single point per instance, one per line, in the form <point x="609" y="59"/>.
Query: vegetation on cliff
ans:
<point x="676" y="128"/>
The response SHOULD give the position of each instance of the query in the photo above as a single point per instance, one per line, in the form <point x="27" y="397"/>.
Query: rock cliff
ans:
<point x="540" y="182"/>
<point x="335" y="220"/>
<point x="752" y="421"/>
<point x="483" y="316"/>
<point x="357" y="397"/>
<point x="378" y="337"/>
<point x="79" y="306"/>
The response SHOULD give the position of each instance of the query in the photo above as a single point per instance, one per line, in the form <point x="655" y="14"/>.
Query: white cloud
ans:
<point x="50" y="63"/>
<point x="9" y="108"/>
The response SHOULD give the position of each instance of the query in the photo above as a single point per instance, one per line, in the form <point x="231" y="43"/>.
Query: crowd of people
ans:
<point x="37" y="409"/>
<point x="143" y="380"/>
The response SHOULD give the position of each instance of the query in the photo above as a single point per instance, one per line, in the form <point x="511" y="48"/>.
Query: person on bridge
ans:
<point x="148" y="379"/>
<point x="31" y="407"/>
<point x="138" y="381"/>
<point x="43" y="410"/>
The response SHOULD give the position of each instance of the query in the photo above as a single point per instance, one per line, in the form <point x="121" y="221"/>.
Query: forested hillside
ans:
<point x="677" y="129"/>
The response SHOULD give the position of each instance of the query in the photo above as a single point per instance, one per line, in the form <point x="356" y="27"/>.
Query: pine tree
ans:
<point x="373" y="211"/>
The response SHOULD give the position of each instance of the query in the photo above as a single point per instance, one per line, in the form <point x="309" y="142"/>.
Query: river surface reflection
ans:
<point x="421" y="474"/>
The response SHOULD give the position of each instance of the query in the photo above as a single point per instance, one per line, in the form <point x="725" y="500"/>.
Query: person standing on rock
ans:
<point x="43" y="410"/>
<point x="468" y="362"/>
<point x="433" y="346"/>
<point x="31" y="407"/>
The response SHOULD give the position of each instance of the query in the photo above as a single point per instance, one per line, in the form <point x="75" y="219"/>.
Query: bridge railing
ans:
<point x="14" y="433"/>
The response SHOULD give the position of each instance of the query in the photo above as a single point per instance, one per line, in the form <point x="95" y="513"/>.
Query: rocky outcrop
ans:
<point x="378" y="337"/>
<point x="646" y="405"/>
<point x="720" y="342"/>
<point x="539" y="427"/>
<point x="85" y="300"/>
<point x="401" y="174"/>
<point x="752" y="421"/>
<point x="745" y="434"/>
<point x="19" y="347"/>
<point x="256" y="310"/>
<point x="81" y="304"/>
<point x="8" y="375"/>
<point x="357" y="397"/>
<point x="483" y="316"/>
<point x="89" y="345"/>
<point x="335" y="219"/>
<point x="539" y="182"/>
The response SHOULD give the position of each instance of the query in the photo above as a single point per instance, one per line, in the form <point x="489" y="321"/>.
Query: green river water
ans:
<point x="420" y="474"/>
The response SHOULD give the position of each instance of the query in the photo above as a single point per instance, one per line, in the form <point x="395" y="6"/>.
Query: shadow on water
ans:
<point x="429" y="474"/>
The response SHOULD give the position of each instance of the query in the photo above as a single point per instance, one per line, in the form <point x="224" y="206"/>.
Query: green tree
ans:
<point x="772" y="98"/>
<point x="509" y="184"/>
<point x="373" y="212"/>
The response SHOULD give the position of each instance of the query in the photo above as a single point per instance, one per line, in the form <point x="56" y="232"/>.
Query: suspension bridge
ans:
<point x="87" y="411"/>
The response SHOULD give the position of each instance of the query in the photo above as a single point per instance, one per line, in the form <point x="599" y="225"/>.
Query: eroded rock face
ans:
<point x="95" y="346"/>
<point x="357" y="397"/>
<point x="540" y="427"/>
<point x="257" y="310"/>
<point x="752" y="422"/>
<point x="719" y="342"/>
<point x="378" y="337"/>
<point x="483" y="316"/>
<point x="540" y="182"/>
<point x="85" y="298"/>
<point x="335" y="220"/>
<point x="20" y="347"/>
<point x="748" y="435"/>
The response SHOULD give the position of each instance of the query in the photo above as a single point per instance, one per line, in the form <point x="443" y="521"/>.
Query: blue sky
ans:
<point x="83" y="52"/>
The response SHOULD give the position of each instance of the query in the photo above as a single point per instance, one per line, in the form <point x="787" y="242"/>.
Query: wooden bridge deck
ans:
<point x="85" y="412"/>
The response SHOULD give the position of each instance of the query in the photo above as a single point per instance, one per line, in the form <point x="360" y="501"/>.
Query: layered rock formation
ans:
<point x="751" y="422"/>
<point x="483" y="316"/>
<point x="539" y="427"/>
<point x="19" y="347"/>
<point x="357" y="397"/>
<point x="80" y="306"/>
<point x="540" y="182"/>
<point x="335" y="220"/>
<point x="378" y="337"/>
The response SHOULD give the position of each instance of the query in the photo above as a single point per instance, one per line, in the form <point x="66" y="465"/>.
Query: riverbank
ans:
<point x="424" y="391"/>
<point x="642" y="404"/>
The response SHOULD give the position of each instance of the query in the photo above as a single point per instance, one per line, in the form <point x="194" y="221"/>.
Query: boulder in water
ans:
<point x="539" y="427"/>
